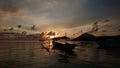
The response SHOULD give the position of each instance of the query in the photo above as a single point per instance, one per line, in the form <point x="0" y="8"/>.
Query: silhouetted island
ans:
<point x="105" y="42"/>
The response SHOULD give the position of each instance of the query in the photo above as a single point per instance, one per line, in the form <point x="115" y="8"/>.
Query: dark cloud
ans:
<point x="10" y="7"/>
<point x="102" y="8"/>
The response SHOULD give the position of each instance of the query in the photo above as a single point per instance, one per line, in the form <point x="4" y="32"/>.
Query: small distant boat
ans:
<point x="109" y="42"/>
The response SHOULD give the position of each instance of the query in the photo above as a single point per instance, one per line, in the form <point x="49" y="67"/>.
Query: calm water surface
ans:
<point x="30" y="54"/>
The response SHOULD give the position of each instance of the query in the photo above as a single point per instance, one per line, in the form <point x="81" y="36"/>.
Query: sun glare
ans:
<point x="52" y="37"/>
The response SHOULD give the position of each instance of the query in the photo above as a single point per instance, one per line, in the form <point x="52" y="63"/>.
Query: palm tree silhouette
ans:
<point x="11" y="28"/>
<point x="33" y="27"/>
<point x="94" y="27"/>
<point x="19" y="26"/>
<point x="24" y="33"/>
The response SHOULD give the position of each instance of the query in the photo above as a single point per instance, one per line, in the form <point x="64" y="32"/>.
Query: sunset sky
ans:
<point x="69" y="16"/>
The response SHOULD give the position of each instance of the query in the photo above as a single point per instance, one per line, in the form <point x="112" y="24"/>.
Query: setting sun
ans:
<point x="52" y="37"/>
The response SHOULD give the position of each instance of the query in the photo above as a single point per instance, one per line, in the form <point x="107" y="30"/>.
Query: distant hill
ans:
<point x="90" y="37"/>
<point x="85" y="37"/>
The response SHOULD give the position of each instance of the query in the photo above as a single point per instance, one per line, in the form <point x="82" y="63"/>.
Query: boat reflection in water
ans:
<point x="66" y="49"/>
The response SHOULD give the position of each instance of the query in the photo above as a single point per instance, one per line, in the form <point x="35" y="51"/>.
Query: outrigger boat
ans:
<point x="66" y="48"/>
<point x="63" y="46"/>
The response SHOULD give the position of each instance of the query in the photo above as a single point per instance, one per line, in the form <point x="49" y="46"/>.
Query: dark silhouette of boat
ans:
<point x="109" y="42"/>
<point x="66" y="48"/>
<point x="59" y="38"/>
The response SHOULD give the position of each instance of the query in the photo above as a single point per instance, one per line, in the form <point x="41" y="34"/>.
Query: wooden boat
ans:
<point x="67" y="48"/>
<point x="63" y="46"/>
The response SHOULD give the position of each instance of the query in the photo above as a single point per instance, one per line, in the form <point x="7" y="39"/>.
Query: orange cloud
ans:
<point x="12" y="11"/>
